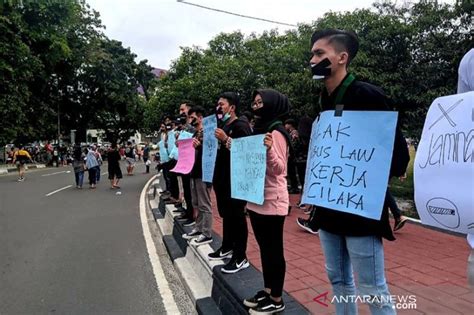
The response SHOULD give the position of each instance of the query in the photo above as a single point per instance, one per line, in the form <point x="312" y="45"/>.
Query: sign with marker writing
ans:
<point x="349" y="161"/>
<point x="248" y="164"/>
<point x="444" y="165"/>
<point x="209" y="148"/>
<point x="187" y="155"/>
<point x="163" y="152"/>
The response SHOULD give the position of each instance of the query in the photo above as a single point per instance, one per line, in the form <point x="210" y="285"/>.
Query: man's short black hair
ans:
<point x="291" y="122"/>
<point x="188" y="103"/>
<point x="199" y="110"/>
<point x="231" y="97"/>
<point x="340" y="39"/>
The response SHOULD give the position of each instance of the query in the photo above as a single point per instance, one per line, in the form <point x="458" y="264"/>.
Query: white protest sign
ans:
<point x="444" y="173"/>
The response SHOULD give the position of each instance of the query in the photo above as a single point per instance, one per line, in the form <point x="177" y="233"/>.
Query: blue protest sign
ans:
<point x="171" y="141"/>
<point x="163" y="152"/>
<point x="349" y="161"/>
<point x="209" y="148"/>
<point x="248" y="164"/>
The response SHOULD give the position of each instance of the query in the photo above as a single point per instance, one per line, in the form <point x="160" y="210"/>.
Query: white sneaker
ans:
<point x="194" y="233"/>
<point x="201" y="240"/>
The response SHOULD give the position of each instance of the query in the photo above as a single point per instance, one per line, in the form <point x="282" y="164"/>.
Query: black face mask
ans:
<point x="321" y="70"/>
<point x="194" y="122"/>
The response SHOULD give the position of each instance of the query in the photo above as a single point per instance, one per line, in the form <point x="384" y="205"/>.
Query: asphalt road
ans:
<point x="76" y="251"/>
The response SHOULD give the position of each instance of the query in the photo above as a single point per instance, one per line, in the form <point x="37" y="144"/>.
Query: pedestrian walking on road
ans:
<point x="92" y="165"/>
<point x="115" y="173"/>
<point x="78" y="166"/>
<point x="20" y="158"/>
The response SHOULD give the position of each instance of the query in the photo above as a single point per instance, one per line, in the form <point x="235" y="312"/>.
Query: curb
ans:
<point x="5" y="170"/>
<point x="212" y="291"/>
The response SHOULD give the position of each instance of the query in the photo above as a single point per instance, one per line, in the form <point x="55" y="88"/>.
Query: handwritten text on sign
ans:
<point x="248" y="160"/>
<point x="444" y="165"/>
<point x="349" y="161"/>
<point x="209" y="149"/>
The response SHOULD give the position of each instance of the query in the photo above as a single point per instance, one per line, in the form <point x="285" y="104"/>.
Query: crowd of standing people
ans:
<point x="350" y="242"/>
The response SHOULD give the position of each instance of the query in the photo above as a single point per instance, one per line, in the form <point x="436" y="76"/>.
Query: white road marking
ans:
<point x="163" y="288"/>
<point x="104" y="173"/>
<point x="54" y="173"/>
<point x="58" y="190"/>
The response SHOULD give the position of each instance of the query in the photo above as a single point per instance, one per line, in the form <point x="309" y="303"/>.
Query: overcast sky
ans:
<point x="156" y="29"/>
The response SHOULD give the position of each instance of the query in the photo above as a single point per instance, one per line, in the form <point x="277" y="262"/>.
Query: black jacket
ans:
<point x="363" y="96"/>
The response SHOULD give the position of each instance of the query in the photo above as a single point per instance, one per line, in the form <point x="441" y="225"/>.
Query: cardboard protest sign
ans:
<point x="183" y="135"/>
<point x="349" y="161"/>
<point x="248" y="160"/>
<point x="163" y="152"/>
<point x="444" y="169"/>
<point x="209" y="148"/>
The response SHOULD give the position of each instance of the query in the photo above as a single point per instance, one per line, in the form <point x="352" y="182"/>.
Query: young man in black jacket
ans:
<point x="352" y="242"/>
<point x="232" y="211"/>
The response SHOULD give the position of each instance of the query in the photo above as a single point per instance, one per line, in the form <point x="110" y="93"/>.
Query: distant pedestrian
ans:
<point x="92" y="166"/>
<point x="146" y="157"/>
<point x="130" y="158"/>
<point x="20" y="158"/>
<point x="78" y="166"/>
<point x="115" y="173"/>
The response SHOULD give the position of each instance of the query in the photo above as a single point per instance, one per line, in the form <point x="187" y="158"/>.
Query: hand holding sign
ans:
<point x="268" y="141"/>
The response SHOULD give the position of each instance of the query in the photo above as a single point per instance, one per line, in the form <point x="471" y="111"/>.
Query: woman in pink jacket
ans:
<point x="270" y="107"/>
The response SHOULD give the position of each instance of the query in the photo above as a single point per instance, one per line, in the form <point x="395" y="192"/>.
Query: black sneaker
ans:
<point x="256" y="299"/>
<point x="234" y="266"/>
<point x="182" y="217"/>
<point x="268" y="306"/>
<point x="219" y="254"/>
<point x="304" y="224"/>
<point x="189" y="223"/>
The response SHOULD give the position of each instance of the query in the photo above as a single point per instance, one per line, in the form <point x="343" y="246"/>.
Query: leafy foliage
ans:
<point x="412" y="52"/>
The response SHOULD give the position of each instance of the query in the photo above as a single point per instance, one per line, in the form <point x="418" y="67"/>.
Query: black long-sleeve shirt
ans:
<point x="363" y="96"/>
<point x="236" y="129"/>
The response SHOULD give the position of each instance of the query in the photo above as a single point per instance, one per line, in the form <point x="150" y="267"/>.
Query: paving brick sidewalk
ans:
<point x="428" y="264"/>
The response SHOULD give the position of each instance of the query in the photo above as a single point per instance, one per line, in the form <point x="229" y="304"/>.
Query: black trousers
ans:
<point x="291" y="166"/>
<point x="187" y="196"/>
<point x="268" y="231"/>
<point x="172" y="182"/>
<point x="301" y="169"/>
<point x="392" y="205"/>
<point x="234" y="223"/>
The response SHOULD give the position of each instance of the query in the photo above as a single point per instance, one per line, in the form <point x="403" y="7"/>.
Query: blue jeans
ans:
<point x="79" y="178"/>
<point x="365" y="255"/>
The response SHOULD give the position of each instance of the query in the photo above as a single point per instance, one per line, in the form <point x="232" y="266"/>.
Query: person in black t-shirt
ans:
<point x="232" y="211"/>
<point x="352" y="242"/>
<point x="115" y="173"/>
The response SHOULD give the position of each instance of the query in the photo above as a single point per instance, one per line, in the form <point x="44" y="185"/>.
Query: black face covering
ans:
<point x="275" y="107"/>
<point x="321" y="70"/>
<point x="194" y="122"/>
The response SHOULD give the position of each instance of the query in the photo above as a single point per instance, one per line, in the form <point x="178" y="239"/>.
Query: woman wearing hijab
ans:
<point x="270" y="107"/>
